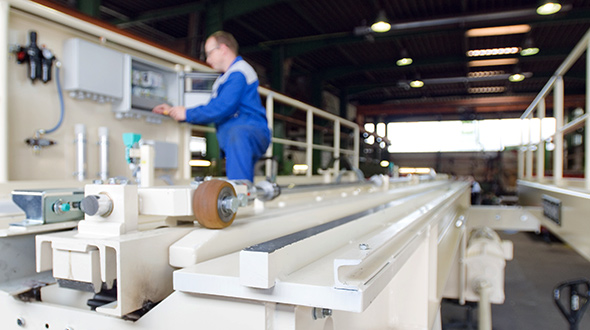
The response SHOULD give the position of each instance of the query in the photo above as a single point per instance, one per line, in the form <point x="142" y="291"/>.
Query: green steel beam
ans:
<point x="278" y="70"/>
<point x="217" y="13"/>
<point x="225" y="10"/>
<point x="89" y="7"/>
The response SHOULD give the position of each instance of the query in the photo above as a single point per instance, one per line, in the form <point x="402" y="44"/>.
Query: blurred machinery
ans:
<point x="372" y="254"/>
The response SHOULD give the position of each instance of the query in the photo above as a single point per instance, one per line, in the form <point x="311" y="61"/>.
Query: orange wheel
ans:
<point x="207" y="204"/>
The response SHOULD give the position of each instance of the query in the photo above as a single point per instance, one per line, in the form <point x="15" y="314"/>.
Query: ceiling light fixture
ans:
<point x="500" y="61"/>
<point x="381" y="24"/>
<point x="529" y="49"/>
<point x="481" y="74"/>
<point x="417" y="83"/>
<point x="493" y="51"/>
<point x="498" y="30"/>
<point x="548" y="8"/>
<point x="404" y="61"/>
<point x="486" y="90"/>
<point x="405" y="58"/>
<point x="517" y="77"/>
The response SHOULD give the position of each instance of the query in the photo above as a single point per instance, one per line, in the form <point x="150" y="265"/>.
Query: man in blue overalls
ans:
<point x="235" y="108"/>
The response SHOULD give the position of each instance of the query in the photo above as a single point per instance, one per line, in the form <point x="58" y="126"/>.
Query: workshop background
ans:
<point x="325" y="53"/>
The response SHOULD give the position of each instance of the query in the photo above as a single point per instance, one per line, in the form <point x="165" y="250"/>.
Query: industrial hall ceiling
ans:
<point x="303" y="47"/>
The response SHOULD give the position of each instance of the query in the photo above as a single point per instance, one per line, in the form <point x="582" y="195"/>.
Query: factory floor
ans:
<point x="539" y="265"/>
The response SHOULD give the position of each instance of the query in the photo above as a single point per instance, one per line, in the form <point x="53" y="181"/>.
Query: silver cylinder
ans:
<point x="80" y="143"/>
<point x="103" y="156"/>
<point x="99" y="205"/>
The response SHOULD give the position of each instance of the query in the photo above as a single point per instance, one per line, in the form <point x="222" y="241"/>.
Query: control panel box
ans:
<point x="146" y="85"/>
<point x="198" y="87"/>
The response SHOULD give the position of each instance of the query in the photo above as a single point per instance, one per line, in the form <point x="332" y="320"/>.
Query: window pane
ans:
<point x="477" y="135"/>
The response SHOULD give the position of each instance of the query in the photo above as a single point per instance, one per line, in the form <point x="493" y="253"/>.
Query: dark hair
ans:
<point x="227" y="39"/>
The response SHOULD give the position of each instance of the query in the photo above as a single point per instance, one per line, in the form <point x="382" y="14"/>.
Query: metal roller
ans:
<point x="215" y="204"/>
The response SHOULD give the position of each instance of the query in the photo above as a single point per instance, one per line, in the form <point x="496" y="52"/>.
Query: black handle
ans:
<point x="578" y="300"/>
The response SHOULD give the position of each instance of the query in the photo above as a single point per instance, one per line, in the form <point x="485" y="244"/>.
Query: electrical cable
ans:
<point x="61" y="100"/>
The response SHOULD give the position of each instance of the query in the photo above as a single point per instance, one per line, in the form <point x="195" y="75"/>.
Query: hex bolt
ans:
<point x="321" y="313"/>
<point x="230" y="204"/>
<point x="364" y="246"/>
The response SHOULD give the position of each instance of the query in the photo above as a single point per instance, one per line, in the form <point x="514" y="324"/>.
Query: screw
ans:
<point x="20" y="322"/>
<point x="364" y="246"/>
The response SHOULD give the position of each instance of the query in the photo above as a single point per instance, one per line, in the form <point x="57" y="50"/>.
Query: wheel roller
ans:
<point x="212" y="204"/>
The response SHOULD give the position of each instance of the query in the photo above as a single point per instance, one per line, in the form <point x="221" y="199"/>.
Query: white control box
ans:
<point x="92" y="71"/>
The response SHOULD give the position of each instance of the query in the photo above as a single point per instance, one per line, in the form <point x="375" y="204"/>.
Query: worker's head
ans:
<point x="221" y="49"/>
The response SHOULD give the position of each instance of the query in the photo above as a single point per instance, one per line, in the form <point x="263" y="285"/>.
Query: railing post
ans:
<point x="529" y="150"/>
<point x="337" y="146"/>
<point x="309" y="141"/>
<point x="587" y="137"/>
<point x="357" y="142"/>
<point x="541" y="145"/>
<point x="558" y="113"/>
<point x="270" y="110"/>
<point x="521" y="151"/>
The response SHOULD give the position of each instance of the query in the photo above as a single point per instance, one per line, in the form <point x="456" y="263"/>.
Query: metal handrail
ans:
<point x="556" y="85"/>
<point x="272" y="97"/>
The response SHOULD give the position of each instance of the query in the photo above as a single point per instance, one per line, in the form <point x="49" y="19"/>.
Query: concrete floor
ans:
<point x="537" y="268"/>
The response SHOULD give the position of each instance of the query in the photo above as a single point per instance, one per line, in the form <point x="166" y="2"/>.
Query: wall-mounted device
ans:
<point x="197" y="87"/>
<point x="49" y="205"/>
<point x="39" y="60"/>
<point x="146" y="85"/>
<point x="92" y="71"/>
<point x="133" y="85"/>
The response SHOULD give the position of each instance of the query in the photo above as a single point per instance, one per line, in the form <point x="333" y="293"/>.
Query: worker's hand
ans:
<point x="178" y="112"/>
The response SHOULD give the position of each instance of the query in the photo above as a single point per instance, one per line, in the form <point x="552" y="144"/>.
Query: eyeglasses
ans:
<point x="211" y="51"/>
